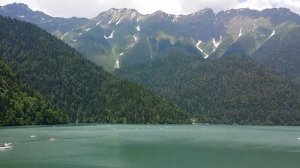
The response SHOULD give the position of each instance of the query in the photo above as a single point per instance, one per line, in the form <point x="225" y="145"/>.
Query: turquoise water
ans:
<point x="137" y="146"/>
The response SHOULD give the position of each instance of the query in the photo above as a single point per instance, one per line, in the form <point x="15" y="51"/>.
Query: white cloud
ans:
<point x="91" y="8"/>
<point x="216" y="5"/>
<point x="294" y="5"/>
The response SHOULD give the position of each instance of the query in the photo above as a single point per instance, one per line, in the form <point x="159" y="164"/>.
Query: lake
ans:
<point x="151" y="146"/>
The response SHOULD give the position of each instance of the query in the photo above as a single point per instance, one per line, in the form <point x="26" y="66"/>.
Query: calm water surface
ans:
<point x="161" y="146"/>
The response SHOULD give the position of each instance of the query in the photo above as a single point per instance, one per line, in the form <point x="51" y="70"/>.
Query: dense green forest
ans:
<point x="77" y="87"/>
<point x="19" y="105"/>
<point x="282" y="53"/>
<point x="230" y="90"/>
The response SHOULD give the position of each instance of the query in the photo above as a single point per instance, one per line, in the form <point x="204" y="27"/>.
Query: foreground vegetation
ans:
<point x="20" y="105"/>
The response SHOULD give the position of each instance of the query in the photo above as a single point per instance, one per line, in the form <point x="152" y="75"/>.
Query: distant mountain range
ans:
<point x="236" y="66"/>
<point x="121" y="37"/>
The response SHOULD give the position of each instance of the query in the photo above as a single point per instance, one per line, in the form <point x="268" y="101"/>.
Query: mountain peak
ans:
<point x="159" y="13"/>
<point x="119" y="10"/>
<point x="242" y="11"/>
<point x="281" y="11"/>
<point x="116" y="16"/>
<point x="17" y="6"/>
<point x="203" y="11"/>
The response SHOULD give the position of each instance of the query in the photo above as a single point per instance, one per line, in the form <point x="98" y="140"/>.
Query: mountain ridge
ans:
<point x="113" y="38"/>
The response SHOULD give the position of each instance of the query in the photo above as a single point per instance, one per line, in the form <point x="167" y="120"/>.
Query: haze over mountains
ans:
<point x="236" y="66"/>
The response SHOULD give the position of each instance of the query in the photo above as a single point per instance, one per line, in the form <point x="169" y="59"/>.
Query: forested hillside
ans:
<point x="229" y="90"/>
<point x="19" y="105"/>
<point x="282" y="53"/>
<point x="74" y="85"/>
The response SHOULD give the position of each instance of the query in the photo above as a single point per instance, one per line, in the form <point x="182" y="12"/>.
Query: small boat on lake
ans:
<point x="6" y="146"/>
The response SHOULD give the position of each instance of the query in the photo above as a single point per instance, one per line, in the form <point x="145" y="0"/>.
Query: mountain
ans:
<point x="282" y="53"/>
<point x="20" y="105"/>
<point x="117" y="37"/>
<point x="79" y="88"/>
<point x="230" y="90"/>
<point x="54" y="25"/>
<point x="123" y="37"/>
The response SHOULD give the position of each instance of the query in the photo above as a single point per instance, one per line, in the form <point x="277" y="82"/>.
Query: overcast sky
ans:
<point x="91" y="8"/>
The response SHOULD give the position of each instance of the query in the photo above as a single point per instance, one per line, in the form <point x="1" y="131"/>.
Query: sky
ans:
<point x="91" y="8"/>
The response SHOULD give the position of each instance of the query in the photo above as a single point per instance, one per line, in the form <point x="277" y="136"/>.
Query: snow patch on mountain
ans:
<point x="48" y="21"/>
<point x="111" y="20"/>
<point x="217" y="43"/>
<point x="21" y="16"/>
<point x="63" y="36"/>
<point x="111" y="36"/>
<point x="133" y="15"/>
<point x="119" y="21"/>
<point x="135" y="38"/>
<point x="201" y="50"/>
<point x="138" y="28"/>
<point x="176" y="18"/>
<point x="117" y="64"/>
<point x="254" y="24"/>
<point x="273" y="33"/>
<point x="99" y="22"/>
<point x="241" y="33"/>
<point x="140" y="18"/>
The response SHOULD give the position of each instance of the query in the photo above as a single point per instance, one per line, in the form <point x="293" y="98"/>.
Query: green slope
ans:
<point x="230" y="90"/>
<point x="75" y="85"/>
<point x="282" y="53"/>
<point x="19" y="105"/>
